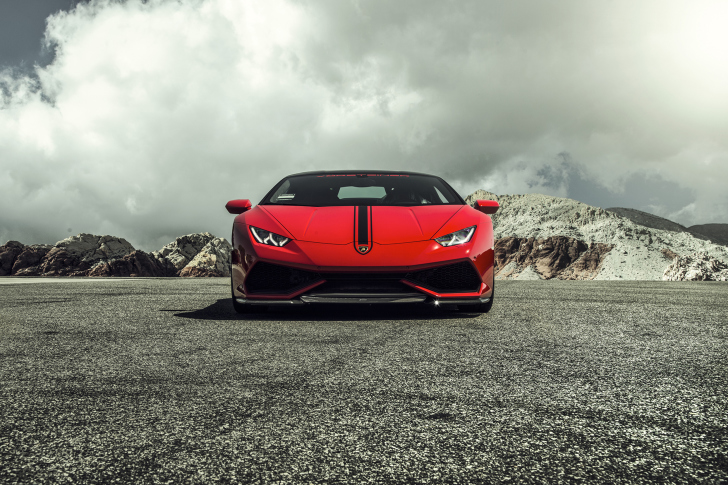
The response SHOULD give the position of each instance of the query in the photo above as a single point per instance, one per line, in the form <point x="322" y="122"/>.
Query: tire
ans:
<point x="242" y="308"/>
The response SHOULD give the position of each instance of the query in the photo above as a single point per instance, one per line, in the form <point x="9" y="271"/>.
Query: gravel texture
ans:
<point x="158" y="381"/>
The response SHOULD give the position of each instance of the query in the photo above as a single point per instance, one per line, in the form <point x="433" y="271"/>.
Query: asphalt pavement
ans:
<point x="159" y="381"/>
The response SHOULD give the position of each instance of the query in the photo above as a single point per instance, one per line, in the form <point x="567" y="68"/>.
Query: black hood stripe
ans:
<point x="363" y="223"/>
<point x="362" y="228"/>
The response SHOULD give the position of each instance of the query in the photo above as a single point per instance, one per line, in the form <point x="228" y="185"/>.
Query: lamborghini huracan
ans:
<point x="372" y="237"/>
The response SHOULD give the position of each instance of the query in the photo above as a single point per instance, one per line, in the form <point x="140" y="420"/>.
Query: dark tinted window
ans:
<point x="362" y="189"/>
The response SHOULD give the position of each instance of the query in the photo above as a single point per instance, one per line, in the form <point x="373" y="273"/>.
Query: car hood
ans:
<point x="335" y="225"/>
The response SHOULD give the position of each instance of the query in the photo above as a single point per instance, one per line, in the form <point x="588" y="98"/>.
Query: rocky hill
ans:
<point x="88" y="255"/>
<point x="552" y="237"/>
<point x="718" y="233"/>
<point x="648" y="220"/>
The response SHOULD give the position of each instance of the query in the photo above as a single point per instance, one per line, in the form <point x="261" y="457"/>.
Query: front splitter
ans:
<point x="364" y="299"/>
<point x="307" y="299"/>
<point x="361" y="300"/>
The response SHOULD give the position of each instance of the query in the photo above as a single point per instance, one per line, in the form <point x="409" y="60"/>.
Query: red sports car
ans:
<point x="362" y="237"/>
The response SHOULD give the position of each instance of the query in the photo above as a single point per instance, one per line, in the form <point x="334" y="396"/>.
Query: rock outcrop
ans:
<point x="180" y="252"/>
<point x="696" y="267"/>
<point x="73" y="256"/>
<point x="77" y="255"/>
<point x="137" y="263"/>
<point x="88" y="255"/>
<point x="28" y="262"/>
<point x="212" y="260"/>
<point x="546" y="258"/>
<point x="90" y="248"/>
<point x="8" y="254"/>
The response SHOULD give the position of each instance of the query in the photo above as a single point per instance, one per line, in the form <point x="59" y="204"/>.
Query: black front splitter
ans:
<point x="363" y="299"/>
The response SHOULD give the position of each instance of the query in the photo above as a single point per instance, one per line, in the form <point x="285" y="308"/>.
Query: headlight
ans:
<point x="458" y="237"/>
<point x="269" y="238"/>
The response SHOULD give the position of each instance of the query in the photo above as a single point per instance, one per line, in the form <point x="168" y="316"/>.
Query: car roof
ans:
<point x="341" y="172"/>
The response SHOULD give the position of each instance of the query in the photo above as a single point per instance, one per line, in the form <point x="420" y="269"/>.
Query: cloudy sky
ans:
<point x="141" y="119"/>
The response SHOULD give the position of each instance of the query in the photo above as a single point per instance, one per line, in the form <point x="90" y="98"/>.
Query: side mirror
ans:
<point x="487" y="206"/>
<point x="238" y="206"/>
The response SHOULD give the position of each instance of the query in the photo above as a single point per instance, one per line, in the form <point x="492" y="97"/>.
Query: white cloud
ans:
<point x="153" y="115"/>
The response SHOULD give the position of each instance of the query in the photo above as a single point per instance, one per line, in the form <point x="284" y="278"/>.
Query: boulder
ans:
<point x="8" y="253"/>
<point x="137" y="263"/>
<point x="696" y="267"/>
<point x="178" y="254"/>
<point x="77" y="255"/>
<point x="90" y="248"/>
<point x="59" y="262"/>
<point x="28" y="262"/>
<point x="212" y="260"/>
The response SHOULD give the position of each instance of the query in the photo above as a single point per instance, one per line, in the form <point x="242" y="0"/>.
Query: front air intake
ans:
<point x="453" y="278"/>
<point x="385" y="283"/>
<point x="272" y="279"/>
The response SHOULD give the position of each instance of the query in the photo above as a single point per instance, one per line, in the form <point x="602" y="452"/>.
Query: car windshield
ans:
<point x="352" y="189"/>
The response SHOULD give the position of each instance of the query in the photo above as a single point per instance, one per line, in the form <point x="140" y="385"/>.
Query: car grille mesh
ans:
<point x="384" y="283"/>
<point x="458" y="277"/>
<point x="272" y="279"/>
